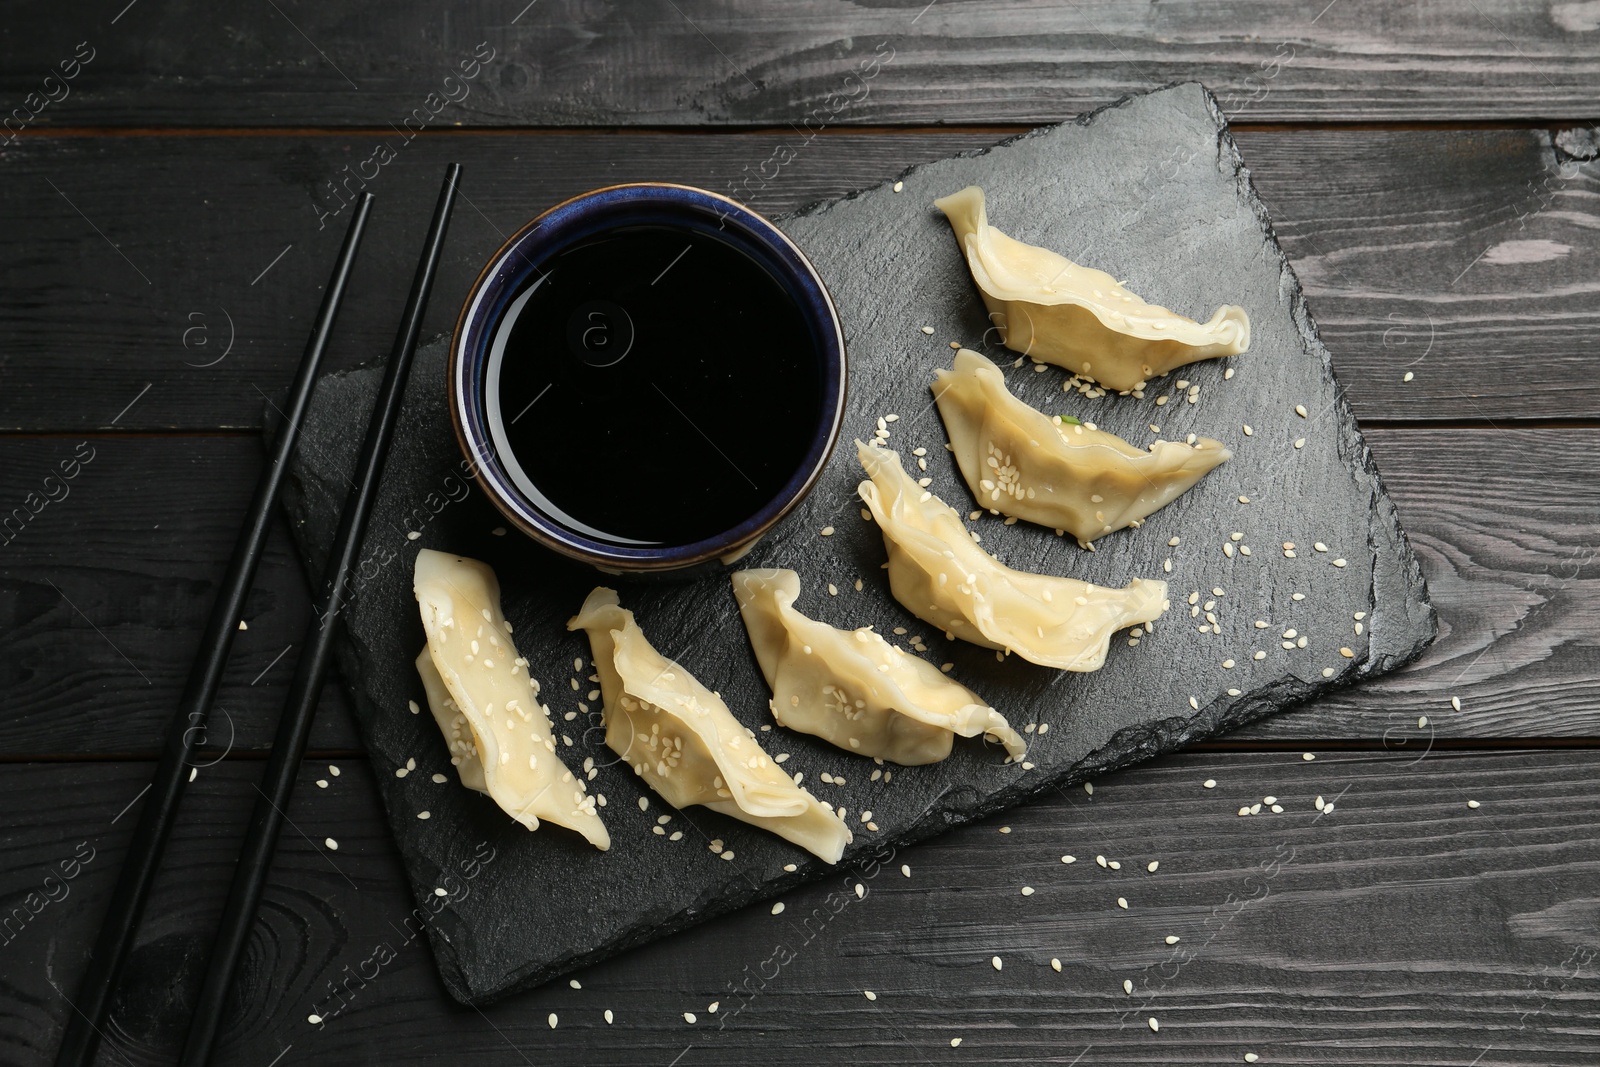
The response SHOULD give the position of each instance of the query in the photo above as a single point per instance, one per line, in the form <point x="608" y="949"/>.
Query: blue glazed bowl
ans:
<point x="580" y="219"/>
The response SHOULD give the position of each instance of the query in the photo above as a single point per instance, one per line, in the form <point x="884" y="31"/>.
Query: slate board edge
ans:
<point x="1127" y="746"/>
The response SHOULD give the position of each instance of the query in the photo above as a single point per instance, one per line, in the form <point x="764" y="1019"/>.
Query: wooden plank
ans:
<point x="1507" y="525"/>
<point x="694" y="63"/>
<point x="1401" y="928"/>
<point x="190" y="264"/>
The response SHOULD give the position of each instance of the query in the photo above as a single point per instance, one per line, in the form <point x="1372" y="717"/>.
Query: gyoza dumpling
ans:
<point x="1051" y="309"/>
<point x="1019" y="461"/>
<point x="853" y="689"/>
<point x="941" y="576"/>
<point x="513" y="752"/>
<point x="684" y="742"/>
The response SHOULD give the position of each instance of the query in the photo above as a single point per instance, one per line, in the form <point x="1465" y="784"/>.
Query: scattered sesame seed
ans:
<point x="1193" y="703"/>
<point x="1209" y="783"/>
<point x="1300" y="409"/>
<point x="899" y="186"/>
<point x="1088" y="787"/>
<point x="1115" y="865"/>
<point x="790" y="867"/>
<point x="1069" y="859"/>
<point x="1277" y="809"/>
<point x="905" y="869"/>
<point x="314" y="1019"/>
<point x="994" y="961"/>
<point x="1227" y="664"/>
<point x="552" y="1020"/>
<point x="1472" y="804"/>
<point x="1455" y="702"/>
<point x="927" y="330"/>
<point x="1320" y="547"/>
<point x="955" y="1042"/>
<point x="1027" y="890"/>
<point x="1422" y="722"/>
<point x="1407" y="377"/>
<point x="1122" y="902"/>
<point x="1172" y="939"/>
<point x="1244" y="500"/>
<point x="1154" y="1026"/>
<point x="1251" y="1057"/>
<point x="955" y="344"/>
<point x="438" y="892"/>
<point x="333" y="770"/>
<point x="1244" y="811"/>
<point x="424" y="815"/>
<point x="1347" y="653"/>
<point x="1005" y="829"/>
<point x="1308" y="756"/>
<point x="1152" y="866"/>
<point x="608" y="1016"/>
<point x="331" y="843"/>
<point x="1260" y="655"/>
<point x="1338" y="563"/>
<point x="827" y="531"/>
<point x="1300" y="442"/>
<point x="777" y="909"/>
<point x="689" y="1017"/>
<point x="833" y="590"/>
<point x="1055" y="964"/>
<point x="1101" y="860"/>
<point x="1227" y="374"/>
<point x="861" y="890"/>
<point x="869" y="994"/>
<point x="322" y="783"/>
<point x="1247" y="430"/>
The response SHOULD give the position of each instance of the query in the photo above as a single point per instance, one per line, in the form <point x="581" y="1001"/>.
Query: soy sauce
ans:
<point x="653" y="385"/>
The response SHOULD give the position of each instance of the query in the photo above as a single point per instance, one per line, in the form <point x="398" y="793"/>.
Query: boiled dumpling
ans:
<point x="853" y="689"/>
<point x="941" y="576"/>
<point x="1053" y="310"/>
<point x="684" y="742"/>
<point x="493" y="707"/>
<point x="1019" y="461"/>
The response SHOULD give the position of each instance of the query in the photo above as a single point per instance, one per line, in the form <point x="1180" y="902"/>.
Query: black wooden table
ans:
<point x="173" y="180"/>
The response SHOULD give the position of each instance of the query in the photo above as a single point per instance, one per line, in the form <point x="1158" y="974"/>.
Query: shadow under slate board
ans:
<point x="1151" y="189"/>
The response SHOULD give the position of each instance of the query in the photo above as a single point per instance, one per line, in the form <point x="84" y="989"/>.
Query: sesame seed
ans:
<point x="1115" y="865"/>
<point x="1308" y="756"/>
<point x="424" y="815"/>
<point x="1472" y="804"/>
<point x="994" y="961"/>
<point x="1027" y="890"/>
<point x="790" y="867"/>
<point x="438" y="892"/>
<point x="1101" y="860"/>
<point x="412" y="704"/>
<point x="1069" y="859"/>
<point x="861" y="890"/>
<point x="1260" y="655"/>
<point x="1300" y="409"/>
<point x="331" y="844"/>
<point x="1251" y="1057"/>
<point x="1408" y="376"/>
<point x="827" y="531"/>
<point x="1277" y="809"/>
<point x="955" y="1042"/>
<point x="322" y="783"/>
<point x="1154" y="1026"/>
<point x="1122" y="902"/>
<point x="777" y="909"/>
<point x="905" y="869"/>
<point x="314" y="1019"/>
<point x="1227" y="664"/>
<point x="1244" y="500"/>
<point x="1455" y="702"/>
<point x="1300" y="442"/>
<point x="899" y="186"/>
<point x="1209" y="783"/>
<point x="833" y="590"/>
<point x="955" y="344"/>
<point x="1338" y="563"/>
<point x="1088" y="787"/>
<point x="1244" y="811"/>
<point x="1320" y="547"/>
<point x="1346" y="653"/>
<point x="869" y="994"/>
<point x="1055" y="964"/>
<point x="1247" y="430"/>
<point x="1193" y="703"/>
<point x="689" y="1017"/>
<point x="498" y="531"/>
<point x="552" y="1020"/>
<point x="333" y="770"/>
<point x="1152" y="866"/>
<point x="927" y="330"/>
<point x="1173" y="939"/>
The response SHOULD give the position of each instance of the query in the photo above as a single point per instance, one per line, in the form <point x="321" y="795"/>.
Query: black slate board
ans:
<point x="1151" y="189"/>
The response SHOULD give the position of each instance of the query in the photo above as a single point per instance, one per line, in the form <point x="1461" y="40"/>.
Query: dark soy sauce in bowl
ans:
<point x="652" y="385"/>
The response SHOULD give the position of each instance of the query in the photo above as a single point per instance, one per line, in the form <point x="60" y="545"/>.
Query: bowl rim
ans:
<point x="483" y="465"/>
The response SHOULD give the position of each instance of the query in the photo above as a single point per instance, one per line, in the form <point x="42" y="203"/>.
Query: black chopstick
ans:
<point x="83" y="1030"/>
<point x="289" y="746"/>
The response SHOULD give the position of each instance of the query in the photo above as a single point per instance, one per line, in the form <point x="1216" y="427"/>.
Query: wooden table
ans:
<point x="170" y="209"/>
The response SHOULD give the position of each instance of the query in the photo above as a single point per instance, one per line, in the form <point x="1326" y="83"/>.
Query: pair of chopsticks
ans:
<point x="84" y="1028"/>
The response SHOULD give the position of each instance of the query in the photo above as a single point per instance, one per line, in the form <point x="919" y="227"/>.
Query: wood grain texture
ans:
<point x="1506" y="523"/>
<point x="141" y="261"/>
<point x="695" y="63"/>
<point x="1402" y="928"/>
